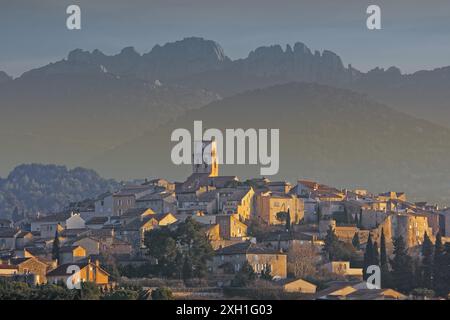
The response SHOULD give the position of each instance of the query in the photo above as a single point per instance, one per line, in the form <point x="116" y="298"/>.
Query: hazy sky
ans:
<point x="415" y="34"/>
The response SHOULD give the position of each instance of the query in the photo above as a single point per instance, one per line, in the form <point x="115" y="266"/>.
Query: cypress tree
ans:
<point x="360" y="217"/>
<point x="384" y="263"/>
<point x="55" y="248"/>
<point x="288" y="220"/>
<point x="375" y="254"/>
<point x="356" y="221"/>
<point x="331" y="242"/>
<point x="446" y="282"/>
<point x="347" y="215"/>
<point x="368" y="257"/>
<point x="356" y="242"/>
<point x="402" y="267"/>
<point x="186" y="269"/>
<point x="319" y="214"/>
<point x="439" y="267"/>
<point x="426" y="274"/>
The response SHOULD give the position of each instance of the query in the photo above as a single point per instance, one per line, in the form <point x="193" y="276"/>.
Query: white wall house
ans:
<point x="75" y="222"/>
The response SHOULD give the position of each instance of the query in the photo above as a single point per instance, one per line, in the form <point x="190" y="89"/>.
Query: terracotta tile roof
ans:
<point x="62" y="269"/>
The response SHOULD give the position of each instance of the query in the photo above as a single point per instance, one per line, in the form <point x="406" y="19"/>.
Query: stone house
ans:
<point x="88" y="271"/>
<point x="268" y="205"/>
<point x="31" y="265"/>
<point x="259" y="258"/>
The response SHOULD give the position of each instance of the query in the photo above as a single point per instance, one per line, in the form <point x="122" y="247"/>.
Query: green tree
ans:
<point x="423" y="293"/>
<point x="122" y="294"/>
<point x="162" y="293"/>
<point x="446" y="289"/>
<point x="288" y="220"/>
<point x="336" y="249"/>
<point x="54" y="292"/>
<point x="195" y="246"/>
<point x="384" y="263"/>
<point x="90" y="291"/>
<point x="402" y="267"/>
<point x="356" y="242"/>
<point x="10" y="290"/>
<point x="55" y="248"/>
<point x="187" y="269"/>
<point x="356" y="221"/>
<point x="266" y="274"/>
<point x="331" y="241"/>
<point x="181" y="253"/>
<point x="376" y="254"/>
<point x="360" y="217"/>
<point x="347" y="216"/>
<point x="319" y="213"/>
<point x="244" y="276"/>
<point x="440" y="268"/>
<point x="281" y="216"/>
<point x="426" y="274"/>
<point x="368" y="257"/>
<point x="162" y="246"/>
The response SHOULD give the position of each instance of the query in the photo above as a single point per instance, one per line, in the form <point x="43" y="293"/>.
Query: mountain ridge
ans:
<point x="202" y="64"/>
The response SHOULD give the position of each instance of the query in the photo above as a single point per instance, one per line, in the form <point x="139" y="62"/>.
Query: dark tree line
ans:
<point x="403" y="273"/>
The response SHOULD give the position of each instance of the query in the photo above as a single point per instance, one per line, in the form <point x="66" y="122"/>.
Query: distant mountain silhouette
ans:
<point x="69" y="111"/>
<point x="4" y="77"/>
<point x="334" y="135"/>
<point x="78" y="108"/>
<point x="202" y="64"/>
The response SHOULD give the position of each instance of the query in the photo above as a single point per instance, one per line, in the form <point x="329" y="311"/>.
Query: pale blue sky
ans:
<point x="415" y="34"/>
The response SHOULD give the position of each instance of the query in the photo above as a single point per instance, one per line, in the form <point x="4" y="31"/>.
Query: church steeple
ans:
<point x="204" y="158"/>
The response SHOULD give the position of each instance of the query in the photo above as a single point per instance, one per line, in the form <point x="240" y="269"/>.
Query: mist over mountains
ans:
<point x="333" y="135"/>
<point x="113" y="113"/>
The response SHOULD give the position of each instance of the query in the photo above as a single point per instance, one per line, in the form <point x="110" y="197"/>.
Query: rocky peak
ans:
<point x="301" y="49"/>
<point x="193" y="48"/>
<point x="332" y="60"/>
<point x="4" y="77"/>
<point x="129" y="53"/>
<point x="79" y="55"/>
<point x="182" y="58"/>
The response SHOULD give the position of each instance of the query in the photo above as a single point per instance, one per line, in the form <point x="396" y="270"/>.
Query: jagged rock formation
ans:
<point x="4" y="77"/>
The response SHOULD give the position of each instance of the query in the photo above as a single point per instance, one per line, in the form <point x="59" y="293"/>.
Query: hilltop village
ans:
<point x="215" y="236"/>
